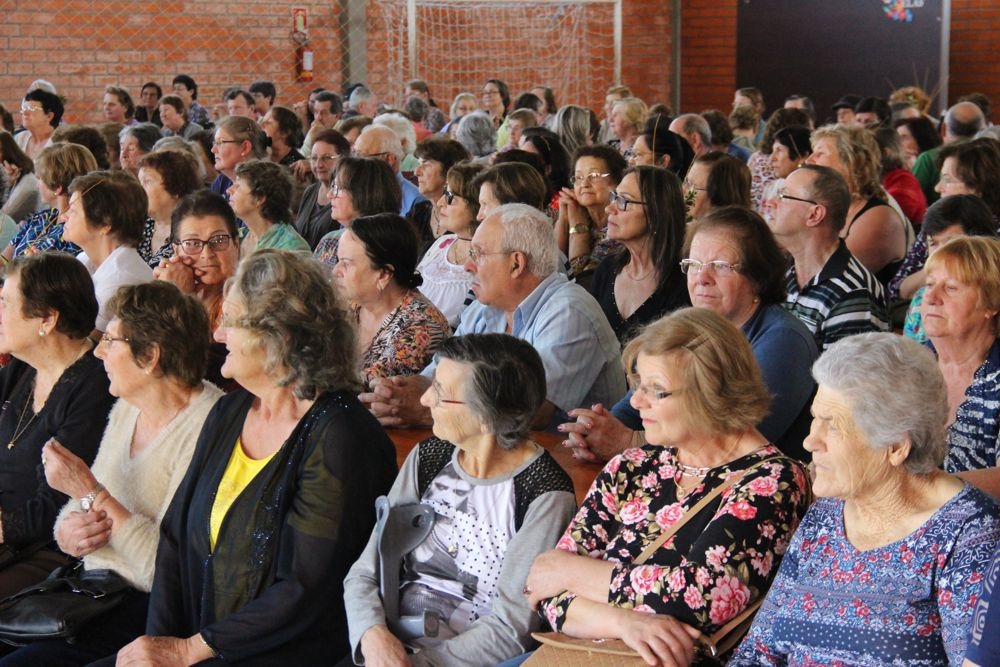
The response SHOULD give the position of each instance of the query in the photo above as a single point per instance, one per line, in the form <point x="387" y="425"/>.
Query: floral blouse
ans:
<point x="717" y="564"/>
<point x="406" y="341"/>
<point x="907" y="603"/>
<point x="761" y="173"/>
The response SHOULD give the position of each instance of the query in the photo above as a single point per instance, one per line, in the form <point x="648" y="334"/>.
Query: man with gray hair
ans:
<point x="828" y="288"/>
<point x="514" y="260"/>
<point x="696" y="130"/>
<point x="381" y="143"/>
<point x="363" y="102"/>
<point x="962" y="121"/>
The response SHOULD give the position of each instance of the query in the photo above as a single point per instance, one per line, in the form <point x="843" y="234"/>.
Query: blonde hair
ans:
<point x="975" y="261"/>
<point x="859" y="154"/>
<point x="721" y="386"/>
<point x="633" y="112"/>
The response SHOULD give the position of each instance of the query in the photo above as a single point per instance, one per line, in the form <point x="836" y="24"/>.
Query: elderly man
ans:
<point x="962" y="121"/>
<point x="514" y="258"/>
<point x="381" y="143"/>
<point x="363" y="102"/>
<point x="240" y="103"/>
<point x="828" y="289"/>
<point x="696" y="130"/>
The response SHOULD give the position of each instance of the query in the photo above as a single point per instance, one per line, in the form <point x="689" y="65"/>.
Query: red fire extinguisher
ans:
<point x="300" y="35"/>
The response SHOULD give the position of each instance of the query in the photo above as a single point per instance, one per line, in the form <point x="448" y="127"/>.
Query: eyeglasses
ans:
<point x="217" y="243"/>
<point x="108" y="339"/>
<point x="589" y="178"/>
<point x="326" y="159"/>
<point x="437" y="396"/>
<point x="27" y="108"/>
<point x="476" y="255"/>
<point x="717" y="266"/>
<point x="337" y="190"/>
<point x="784" y="195"/>
<point x="653" y="393"/>
<point x="449" y="196"/>
<point x="220" y="142"/>
<point x="622" y="202"/>
<point x="691" y="186"/>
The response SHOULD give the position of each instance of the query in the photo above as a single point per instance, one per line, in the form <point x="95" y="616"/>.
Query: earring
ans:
<point x="41" y="332"/>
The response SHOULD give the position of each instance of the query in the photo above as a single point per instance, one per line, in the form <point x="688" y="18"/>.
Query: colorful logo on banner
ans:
<point x="899" y="10"/>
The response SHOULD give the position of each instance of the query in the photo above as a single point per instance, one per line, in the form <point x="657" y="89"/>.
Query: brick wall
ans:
<point x="82" y="46"/>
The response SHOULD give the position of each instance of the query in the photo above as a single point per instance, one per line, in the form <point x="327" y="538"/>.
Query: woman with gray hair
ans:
<point x="887" y="565"/>
<point x="498" y="500"/>
<point x="277" y="500"/>
<point x="136" y="141"/>
<point x="479" y="136"/>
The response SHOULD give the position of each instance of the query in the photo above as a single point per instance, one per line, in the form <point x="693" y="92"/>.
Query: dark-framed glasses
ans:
<point x="216" y="243"/>
<point x="784" y="195"/>
<point x="621" y="202"/>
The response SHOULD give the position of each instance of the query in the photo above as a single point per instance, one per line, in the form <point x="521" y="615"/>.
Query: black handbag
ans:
<point x="61" y="605"/>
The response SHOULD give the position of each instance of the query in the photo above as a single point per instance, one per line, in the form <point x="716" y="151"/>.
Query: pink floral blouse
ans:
<point x="717" y="564"/>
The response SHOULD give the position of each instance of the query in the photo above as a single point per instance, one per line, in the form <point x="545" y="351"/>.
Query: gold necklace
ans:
<point x="18" y="431"/>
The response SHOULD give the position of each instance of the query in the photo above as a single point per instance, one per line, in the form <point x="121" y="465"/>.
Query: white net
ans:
<point x="566" y="45"/>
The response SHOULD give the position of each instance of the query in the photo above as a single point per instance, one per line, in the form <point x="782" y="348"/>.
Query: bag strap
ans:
<point x="725" y="637"/>
<point x="691" y="513"/>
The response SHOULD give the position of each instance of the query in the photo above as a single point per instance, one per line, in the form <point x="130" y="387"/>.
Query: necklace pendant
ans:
<point x="10" y="445"/>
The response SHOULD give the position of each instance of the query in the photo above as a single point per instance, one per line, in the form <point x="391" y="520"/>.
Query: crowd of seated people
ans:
<point x="704" y="303"/>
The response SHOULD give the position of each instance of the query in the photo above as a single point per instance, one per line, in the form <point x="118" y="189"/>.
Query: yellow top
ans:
<point x="240" y="471"/>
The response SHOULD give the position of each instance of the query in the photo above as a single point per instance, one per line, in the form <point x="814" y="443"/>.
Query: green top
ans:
<point x="282" y="237"/>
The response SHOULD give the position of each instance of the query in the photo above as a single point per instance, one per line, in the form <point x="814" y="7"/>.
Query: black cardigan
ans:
<point x="272" y="591"/>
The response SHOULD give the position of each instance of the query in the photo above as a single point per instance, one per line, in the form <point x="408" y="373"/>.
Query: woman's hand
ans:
<point x="556" y="571"/>
<point x="82" y="533"/>
<point x="65" y="471"/>
<point x="147" y="651"/>
<point x="178" y="270"/>
<point x="596" y="435"/>
<point x="660" y="640"/>
<point x="381" y="648"/>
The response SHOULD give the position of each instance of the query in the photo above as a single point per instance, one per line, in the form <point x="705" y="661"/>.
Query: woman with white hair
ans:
<point x="887" y="565"/>
<point x="477" y="133"/>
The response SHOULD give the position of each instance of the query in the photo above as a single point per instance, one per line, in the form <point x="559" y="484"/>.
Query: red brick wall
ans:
<point x="82" y="46"/>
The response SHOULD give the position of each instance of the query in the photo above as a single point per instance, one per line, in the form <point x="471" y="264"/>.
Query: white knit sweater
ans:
<point x="144" y="485"/>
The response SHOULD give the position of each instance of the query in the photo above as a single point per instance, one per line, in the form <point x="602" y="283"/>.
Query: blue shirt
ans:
<point x="41" y="232"/>
<point x="785" y="352"/>
<point x="411" y="195"/>
<point x="566" y="326"/>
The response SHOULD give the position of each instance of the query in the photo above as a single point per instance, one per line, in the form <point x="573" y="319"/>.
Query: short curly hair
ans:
<point x="158" y="315"/>
<point x="298" y="321"/>
<point x="269" y="181"/>
<point x="178" y="169"/>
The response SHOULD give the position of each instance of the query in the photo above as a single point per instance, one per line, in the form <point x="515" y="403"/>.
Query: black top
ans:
<point x="272" y="591"/>
<point x="75" y="414"/>
<point x="672" y="296"/>
<point x="313" y="221"/>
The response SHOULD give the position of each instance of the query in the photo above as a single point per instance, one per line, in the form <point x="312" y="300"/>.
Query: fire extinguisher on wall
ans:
<point x="300" y="35"/>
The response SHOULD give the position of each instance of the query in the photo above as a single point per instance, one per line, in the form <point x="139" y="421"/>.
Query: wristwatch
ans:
<point x="87" y="502"/>
<point x="581" y="228"/>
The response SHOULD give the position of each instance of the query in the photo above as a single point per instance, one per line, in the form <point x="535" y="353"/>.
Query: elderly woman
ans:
<point x="657" y="146"/>
<point x="967" y="168"/>
<point x="960" y="317"/>
<point x="716" y="180"/>
<point x="876" y="233"/>
<point x="166" y="176"/>
<point x="118" y="106"/>
<point x="260" y="196"/>
<point x="148" y="109"/>
<point x="435" y="156"/>
<point x="23" y="196"/>
<point x="735" y="268"/>
<point x="135" y="142"/>
<point x="626" y="121"/>
<point x="582" y="225"/>
<point x="105" y="217"/>
<point x="700" y="395"/>
<point x="53" y="388"/>
<point x="313" y="221"/>
<point x="575" y="127"/>
<point x="41" y="113"/>
<point x="886" y="567"/>
<point x="361" y="186"/>
<point x="237" y="139"/>
<point x="948" y="218"/>
<point x="446" y="282"/>
<point x="154" y="354"/>
<point x="398" y="328"/>
<point x="282" y="127"/>
<point x="498" y="500"/>
<point x="477" y="135"/>
<point x="175" y="119"/>
<point x="279" y="492"/>
<point x="643" y="281"/>
<point x="496" y="103"/>
<point x="57" y="167"/>
<point x="462" y="105"/>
